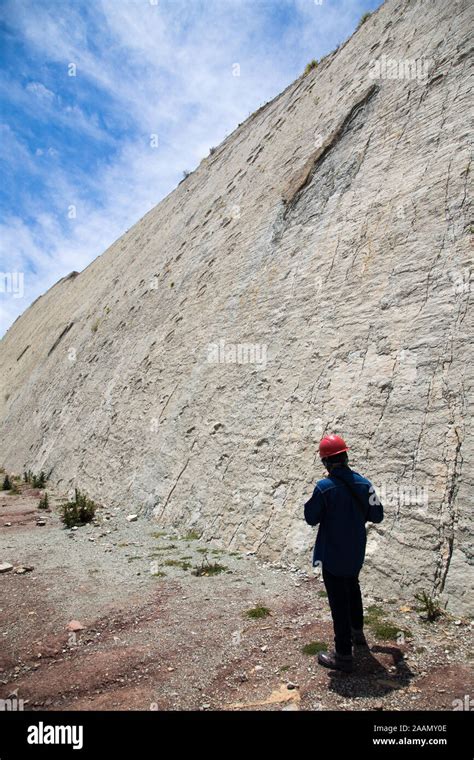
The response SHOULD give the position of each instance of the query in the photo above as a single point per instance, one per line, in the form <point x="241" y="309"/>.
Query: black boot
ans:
<point x="336" y="661"/>
<point x="358" y="638"/>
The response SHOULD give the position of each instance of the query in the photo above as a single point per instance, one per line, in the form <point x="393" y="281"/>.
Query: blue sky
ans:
<point x="78" y="163"/>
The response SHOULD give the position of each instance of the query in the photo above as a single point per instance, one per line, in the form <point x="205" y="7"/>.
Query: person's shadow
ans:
<point x="370" y="677"/>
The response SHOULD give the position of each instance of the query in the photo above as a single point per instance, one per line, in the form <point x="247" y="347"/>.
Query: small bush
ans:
<point x="258" y="612"/>
<point x="95" y="326"/>
<point x="79" y="511"/>
<point x="314" y="647"/>
<point x="6" y="483"/>
<point x="364" y="18"/>
<point x="44" y="502"/>
<point x="208" y="568"/>
<point x="429" y="606"/>
<point x="37" y="481"/>
<point x="310" y="66"/>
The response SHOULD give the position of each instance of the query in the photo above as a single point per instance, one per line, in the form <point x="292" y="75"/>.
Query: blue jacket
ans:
<point x="341" y="540"/>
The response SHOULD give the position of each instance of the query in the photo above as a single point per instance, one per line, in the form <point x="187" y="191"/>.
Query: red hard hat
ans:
<point x="332" y="444"/>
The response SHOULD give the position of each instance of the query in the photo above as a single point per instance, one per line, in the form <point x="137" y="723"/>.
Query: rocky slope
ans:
<point x="330" y="234"/>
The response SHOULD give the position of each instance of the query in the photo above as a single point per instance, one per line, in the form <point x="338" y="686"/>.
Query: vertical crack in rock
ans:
<point x="447" y="529"/>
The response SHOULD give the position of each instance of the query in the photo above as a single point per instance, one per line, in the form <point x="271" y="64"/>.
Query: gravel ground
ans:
<point x="155" y="636"/>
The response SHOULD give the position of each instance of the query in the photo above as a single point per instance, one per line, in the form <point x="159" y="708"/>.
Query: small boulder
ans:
<point x="22" y="569"/>
<point x="132" y="518"/>
<point x="5" y="567"/>
<point x="75" y="625"/>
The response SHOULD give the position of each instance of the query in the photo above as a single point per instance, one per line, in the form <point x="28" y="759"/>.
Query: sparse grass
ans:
<point x="430" y="607"/>
<point x="158" y="534"/>
<point x="258" y="612"/>
<point x="191" y="535"/>
<point x="177" y="563"/>
<point x="202" y="551"/>
<point x="386" y="631"/>
<point x="159" y="574"/>
<point x="314" y="647"/>
<point x="79" y="511"/>
<point x="209" y="568"/>
<point x="284" y="668"/>
<point x="310" y="66"/>
<point x="167" y="548"/>
<point x="363" y="19"/>
<point x="323" y="594"/>
<point x="130" y="559"/>
<point x="373" y="613"/>
<point x="381" y="627"/>
<point x="95" y="325"/>
<point x="189" y="556"/>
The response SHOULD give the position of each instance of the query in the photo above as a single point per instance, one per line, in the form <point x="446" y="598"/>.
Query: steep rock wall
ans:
<point x="330" y="233"/>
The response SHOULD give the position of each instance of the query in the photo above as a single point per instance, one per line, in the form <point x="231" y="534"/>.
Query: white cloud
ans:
<point x="164" y="69"/>
<point x="40" y="91"/>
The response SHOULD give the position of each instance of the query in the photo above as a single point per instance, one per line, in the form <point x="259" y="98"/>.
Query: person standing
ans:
<point x="341" y="505"/>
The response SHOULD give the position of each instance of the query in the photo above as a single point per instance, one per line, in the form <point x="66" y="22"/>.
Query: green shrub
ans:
<point x="208" y="568"/>
<point x="310" y="66"/>
<point x="44" y="502"/>
<point x="79" y="511"/>
<point x="364" y="18"/>
<point x="37" y="481"/>
<point x="429" y="606"/>
<point x="255" y="613"/>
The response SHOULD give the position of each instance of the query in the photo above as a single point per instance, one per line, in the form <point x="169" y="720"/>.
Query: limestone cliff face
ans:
<point x="312" y="275"/>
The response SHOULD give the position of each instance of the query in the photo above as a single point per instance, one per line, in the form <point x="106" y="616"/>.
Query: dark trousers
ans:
<point x="345" y="601"/>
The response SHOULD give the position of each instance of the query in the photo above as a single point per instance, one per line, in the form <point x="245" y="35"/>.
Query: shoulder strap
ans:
<point x="360" y="503"/>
